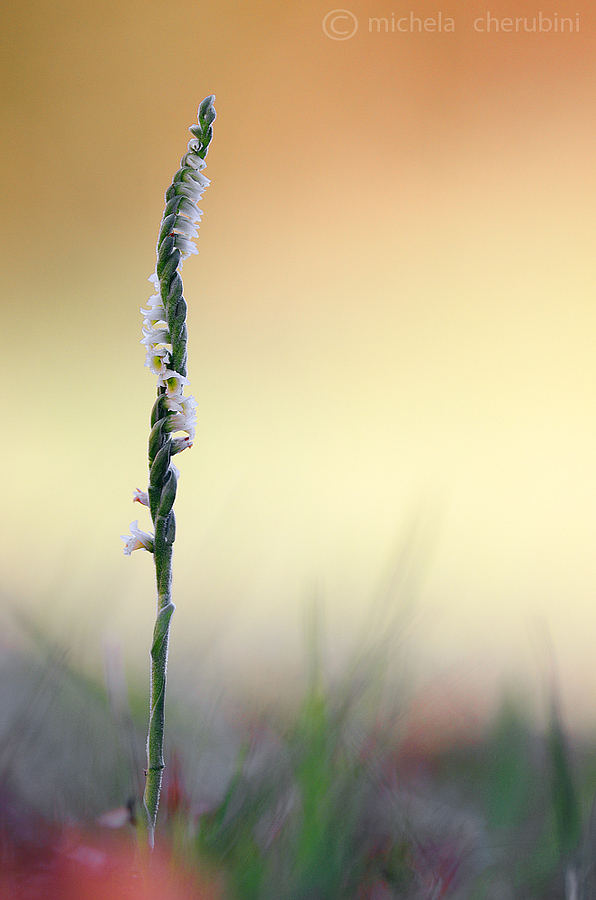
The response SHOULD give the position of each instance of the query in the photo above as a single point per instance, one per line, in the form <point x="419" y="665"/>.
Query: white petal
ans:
<point x="185" y="245"/>
<point x="137" y="539"/>
<point x="157" y="360"/>
<point x="154" y="336"/>
<point x="173" y="382"/>
<point x="185" y="226"/>
<point x="180" y="404"/>
<point x="192" y="191"/>
<point x="181" y="443"/>
<point x="141" y="497"/>
<point x="181" y="422"/>
<point x="151" y="317"/>
<point x="190" y="209"/>
<point x="195" y="177"/>
<point x="191" y="158"/>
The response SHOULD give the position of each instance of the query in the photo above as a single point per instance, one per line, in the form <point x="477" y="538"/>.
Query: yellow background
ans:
<point x="392" y="330"/>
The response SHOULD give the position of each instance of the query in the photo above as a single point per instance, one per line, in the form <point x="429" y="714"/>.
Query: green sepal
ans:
<point x="174" y="295"/>
<point x="185" y="170"/>
<point x="165" y="530"/>
<point x="156" y="440"/>
<point x="166" y="268"/>
<point x="207" y="110"/>
<point x="206" y="141"/>
<point x="179" y="354"/>
<point x="160" y="409"/>
<point x="166" y="226"/>
<point x="157" y="472"/>
<point x="183" y="189"/>
<point x="165" y="255"/>
<point x="172" y="205"/>
<point x="176" y="322"/>
<point x="160" y="629"/>
<point x="179" y="188"/>
<point x="170" y="529"/>
<point x="168" y="493"/>
<point x="177" y="326"/>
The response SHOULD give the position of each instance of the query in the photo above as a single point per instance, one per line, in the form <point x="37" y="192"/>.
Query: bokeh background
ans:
<point x="392" y="333"/>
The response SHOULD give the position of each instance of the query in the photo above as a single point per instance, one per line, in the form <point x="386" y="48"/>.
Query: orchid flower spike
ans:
<point x="173" y="418"/>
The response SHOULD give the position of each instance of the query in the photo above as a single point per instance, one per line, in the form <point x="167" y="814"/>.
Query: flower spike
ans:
<point x="173" y="418"/>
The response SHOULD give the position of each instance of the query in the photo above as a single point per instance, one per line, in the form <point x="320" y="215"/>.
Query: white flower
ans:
<point x="195" y="177"/>
<point x="186" y="247"/>
<point x="155" y="300"/>
<point x="141" y="497"/>
<point x="189" y="208"/>
<point x="179" y="421"/>
<point x="157" y="359"/>
<point x="154" y="336"/>
<point x="181" y="443"/>
<point x="191" y="158"/>
<point x="181" y="404"/>
<point x="191" y="190"/>
<point x="194" y="184"/>
<point x="184" y="226"/>
<point x="156" y="312"/>
<point x="173" y="382"/>
<point x="137" y="539"/>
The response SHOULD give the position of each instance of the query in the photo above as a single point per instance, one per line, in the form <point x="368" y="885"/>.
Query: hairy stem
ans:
<point x="157" y="696"/>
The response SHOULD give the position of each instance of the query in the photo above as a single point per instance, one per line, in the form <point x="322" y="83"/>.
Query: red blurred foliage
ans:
<point x="42" y="861"/>
<point x="175" y="799"/>
<point x="438" y="865"/>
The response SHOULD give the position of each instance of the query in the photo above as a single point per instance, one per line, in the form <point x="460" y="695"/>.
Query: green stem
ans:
<point x="159" y="662"/>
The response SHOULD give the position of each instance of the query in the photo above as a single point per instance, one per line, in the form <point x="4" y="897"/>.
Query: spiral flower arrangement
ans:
<point x="173" y="419"/>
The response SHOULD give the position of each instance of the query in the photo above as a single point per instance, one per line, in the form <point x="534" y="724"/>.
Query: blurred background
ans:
<point x="391" y="333"/>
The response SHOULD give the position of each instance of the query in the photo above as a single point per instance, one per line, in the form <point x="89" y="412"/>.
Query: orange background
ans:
<point x="391" y="320"/>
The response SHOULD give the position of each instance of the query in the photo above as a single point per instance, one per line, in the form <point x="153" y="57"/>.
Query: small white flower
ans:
<point x="137" y="539"/>
<point x="184" y="226"/>
<point x="155" y="300"/>
<point x="173" y="382"/>
<point x="197" y="178"/>
<point x="155" y="322"/>
<point x="189" y="208"/>
<point x="191" y="158"/>
<point x="154" y="336"/>
<point x="141" y="497"/>
<point x="190" y="190"/>
<point x="181" y="404"/>
<point x="157" y="360"/>
<point x="181" y="443"/>
<point x="183" y="421"/>
<point x="194" y="190"/>
<point x="186" y="247"/>
<point x="155" y="313"/>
